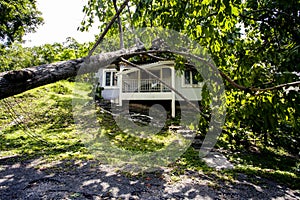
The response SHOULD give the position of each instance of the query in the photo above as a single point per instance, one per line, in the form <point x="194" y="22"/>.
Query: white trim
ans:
<point x="147" y="96"/>
<point x="104" y="79"/>
<point x="120" y="84"/>
<point x="184" y="85"/>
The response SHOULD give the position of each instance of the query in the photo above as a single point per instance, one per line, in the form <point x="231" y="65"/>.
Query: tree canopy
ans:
<point x="254" y="43"/>
<point x="255" y="39"/>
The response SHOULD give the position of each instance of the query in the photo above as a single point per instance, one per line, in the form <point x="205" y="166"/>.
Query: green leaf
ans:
<point x="199" y="30"/>
<point x="206" y="2"/>
<point x="234" y="10"/>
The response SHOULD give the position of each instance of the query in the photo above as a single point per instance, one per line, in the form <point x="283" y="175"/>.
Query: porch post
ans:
<point x="120" y="83"/>
<point x="139" y="80"/>
<point x="161" y="77"/>
<point x="173" y="93"/>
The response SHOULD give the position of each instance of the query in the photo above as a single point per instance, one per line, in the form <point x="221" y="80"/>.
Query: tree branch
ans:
<point x="271" y="12"/>
<point x="107" y="28"/>
<point x="255" y="89"/>
<point x="277" y="87"/>
<point x="120" y="25"/>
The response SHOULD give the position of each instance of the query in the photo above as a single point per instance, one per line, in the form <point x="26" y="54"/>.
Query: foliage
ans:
<point x="17" y="57"/>
<point x="18" y="17"/>
<point x="270" y="119"/>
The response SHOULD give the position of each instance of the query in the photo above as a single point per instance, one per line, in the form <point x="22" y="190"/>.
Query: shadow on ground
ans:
<point x="69" y="179"/>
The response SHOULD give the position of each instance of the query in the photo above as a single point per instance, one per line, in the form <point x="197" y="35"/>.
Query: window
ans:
<point x="191" y="77"/>
<point x="110" y="78"/>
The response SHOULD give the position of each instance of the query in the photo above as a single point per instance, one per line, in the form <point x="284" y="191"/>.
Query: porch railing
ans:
<point x="145" y="85"/>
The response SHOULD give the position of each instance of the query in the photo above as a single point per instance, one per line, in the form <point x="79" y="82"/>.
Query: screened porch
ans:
<point x="141" y="82"/>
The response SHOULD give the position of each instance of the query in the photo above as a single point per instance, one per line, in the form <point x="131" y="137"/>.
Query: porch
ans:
<point x="139" y="85"/>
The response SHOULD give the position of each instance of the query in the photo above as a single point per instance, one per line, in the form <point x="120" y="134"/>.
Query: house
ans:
<point x="130" y="83"/>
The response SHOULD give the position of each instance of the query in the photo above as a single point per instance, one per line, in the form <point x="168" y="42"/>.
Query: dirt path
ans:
<point x="89" y="180"/>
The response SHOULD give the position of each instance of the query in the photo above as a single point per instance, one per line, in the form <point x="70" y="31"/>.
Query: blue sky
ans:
<point x="62" y="17"/>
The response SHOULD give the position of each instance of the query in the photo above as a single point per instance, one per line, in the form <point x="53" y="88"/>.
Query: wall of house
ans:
<point x="192" y="93"/>
<point x="109" y="93"/>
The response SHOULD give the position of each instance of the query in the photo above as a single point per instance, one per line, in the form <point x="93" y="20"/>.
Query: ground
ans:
<point x="71" y="179"/>
<point x="41" y="157"/>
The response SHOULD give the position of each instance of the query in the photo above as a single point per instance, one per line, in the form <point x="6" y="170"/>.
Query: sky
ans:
<point x="61" y="19"/>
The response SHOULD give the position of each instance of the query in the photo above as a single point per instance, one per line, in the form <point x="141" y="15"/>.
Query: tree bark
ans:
<point x="16" y="82"/>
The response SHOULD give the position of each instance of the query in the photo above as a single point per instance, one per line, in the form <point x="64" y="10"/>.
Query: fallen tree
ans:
<point x="18" y="81"/>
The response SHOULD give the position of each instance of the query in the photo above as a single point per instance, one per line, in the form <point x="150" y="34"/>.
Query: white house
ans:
<point x="133" y="84"/>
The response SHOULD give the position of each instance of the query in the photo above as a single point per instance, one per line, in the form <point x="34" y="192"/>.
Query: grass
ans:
<point x="139" y="139"/>
<point x="269" y="163"/>
<point x="39" y="123"/>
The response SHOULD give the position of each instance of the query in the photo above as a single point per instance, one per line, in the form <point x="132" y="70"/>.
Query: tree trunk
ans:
<point x="16" y="82"/>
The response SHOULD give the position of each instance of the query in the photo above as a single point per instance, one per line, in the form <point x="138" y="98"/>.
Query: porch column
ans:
<point x="173" y="93"/>
<point x="139" y="80"/>
<point x="120" y="83"/>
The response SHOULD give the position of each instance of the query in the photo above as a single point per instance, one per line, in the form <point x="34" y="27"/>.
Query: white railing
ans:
<point x="129" y="85"/>
<point x="145" y="85"/>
